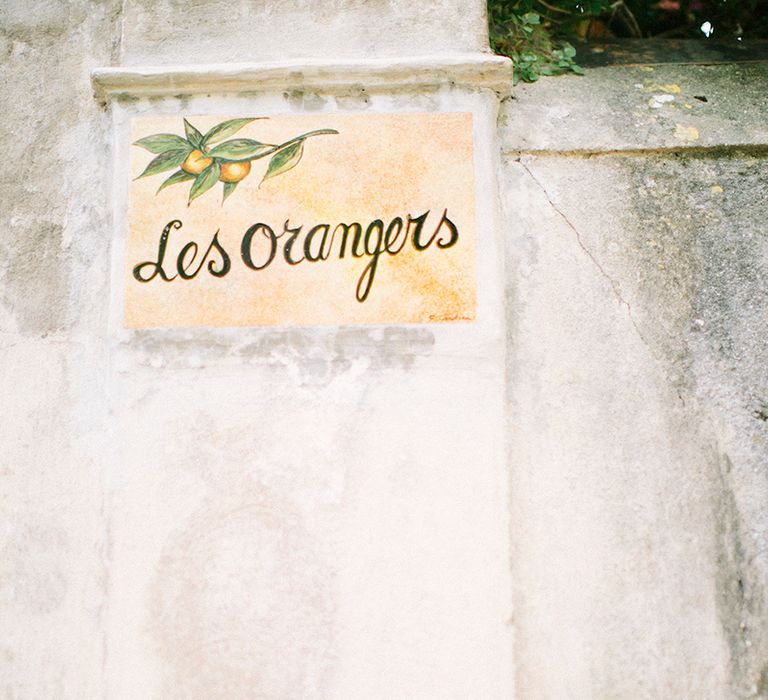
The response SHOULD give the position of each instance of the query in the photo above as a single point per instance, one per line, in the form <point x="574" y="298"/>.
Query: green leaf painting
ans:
<point x="239" y="149"/>
<point x="205" y="180"/>
<point x="159" y="143"/>
<point x="226" y="129"/>
<point x="193" y="135"/>
<point x="229" y="188"/>
<point x="197" y="159"/>
<point x="178" y="176"/>
<point x="284" y="160"/>
<point x="165" y="161"/>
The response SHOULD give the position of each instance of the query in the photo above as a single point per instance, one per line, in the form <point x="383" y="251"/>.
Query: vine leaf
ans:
<point x="284" y="160"/>
<point x="226" y="129"/>
<point x="239" y="149"/>
<point x="159" y="143"/>
<point x="178" y="176"/>
<point x="193" y="135"/>
<point x="165" y="161"/>
<point x="229" y="188"/>
<point x="204" y="181"/>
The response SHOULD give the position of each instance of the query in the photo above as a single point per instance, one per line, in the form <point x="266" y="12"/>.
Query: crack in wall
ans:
<point x="615" y="288"/>
<point x="613" y="283"/>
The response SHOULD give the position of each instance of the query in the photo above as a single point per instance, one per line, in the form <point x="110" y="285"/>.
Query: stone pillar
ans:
<point x="308" y="510"/>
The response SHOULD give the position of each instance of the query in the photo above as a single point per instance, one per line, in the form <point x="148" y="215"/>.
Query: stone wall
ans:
<point x="604" y="508"/>
<point x="637" y="380"/>
<point x="54" y="288"/>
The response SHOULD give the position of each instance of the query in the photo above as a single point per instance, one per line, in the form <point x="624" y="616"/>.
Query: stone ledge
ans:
<point x="639" y="108"/>
<point x="463" y="70"/>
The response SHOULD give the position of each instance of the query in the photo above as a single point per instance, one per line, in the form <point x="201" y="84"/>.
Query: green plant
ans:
<point x="536" y="34"/>
<point x="531" y="33"/>
<point x="200" y="160"/>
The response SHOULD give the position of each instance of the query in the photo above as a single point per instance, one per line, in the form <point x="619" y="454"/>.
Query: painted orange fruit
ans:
<point x="196" y="162"/>
<point x="234" y="172"/>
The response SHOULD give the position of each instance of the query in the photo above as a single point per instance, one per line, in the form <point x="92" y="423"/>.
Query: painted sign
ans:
<point x="322" y="220"/>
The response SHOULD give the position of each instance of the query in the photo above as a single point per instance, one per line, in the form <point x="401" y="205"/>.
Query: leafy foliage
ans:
<point x="702" y="19"/>
<point x="537" y="34"/>
<point x="529" y="32"/>
<point x="206" y="164"/>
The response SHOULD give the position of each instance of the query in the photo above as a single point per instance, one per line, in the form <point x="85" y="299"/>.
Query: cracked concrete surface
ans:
<point x="614" y="284"/>
<point x="639" y="461"/>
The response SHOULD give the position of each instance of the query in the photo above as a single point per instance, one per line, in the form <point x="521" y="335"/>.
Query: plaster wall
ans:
<point x="305" y="512"/>
<point x="382" y="512"/>
<point x="312" y="512"/>
<point x="218" y="31"/>
<point x="53" y="288"/>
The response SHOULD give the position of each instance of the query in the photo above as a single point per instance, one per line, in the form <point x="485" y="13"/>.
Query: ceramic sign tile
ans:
<point x="300" y="220"/>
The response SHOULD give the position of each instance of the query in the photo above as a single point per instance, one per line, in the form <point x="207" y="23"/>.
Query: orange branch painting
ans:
<point x="208" y="158"/>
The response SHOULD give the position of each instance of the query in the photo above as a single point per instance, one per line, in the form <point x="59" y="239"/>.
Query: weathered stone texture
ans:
<point x="55" y="182"/>
<point x="641" y="107"/>
<point x="638" y="383"/>
<point x="216" y="31"/>
<point x="224" y="515"/>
